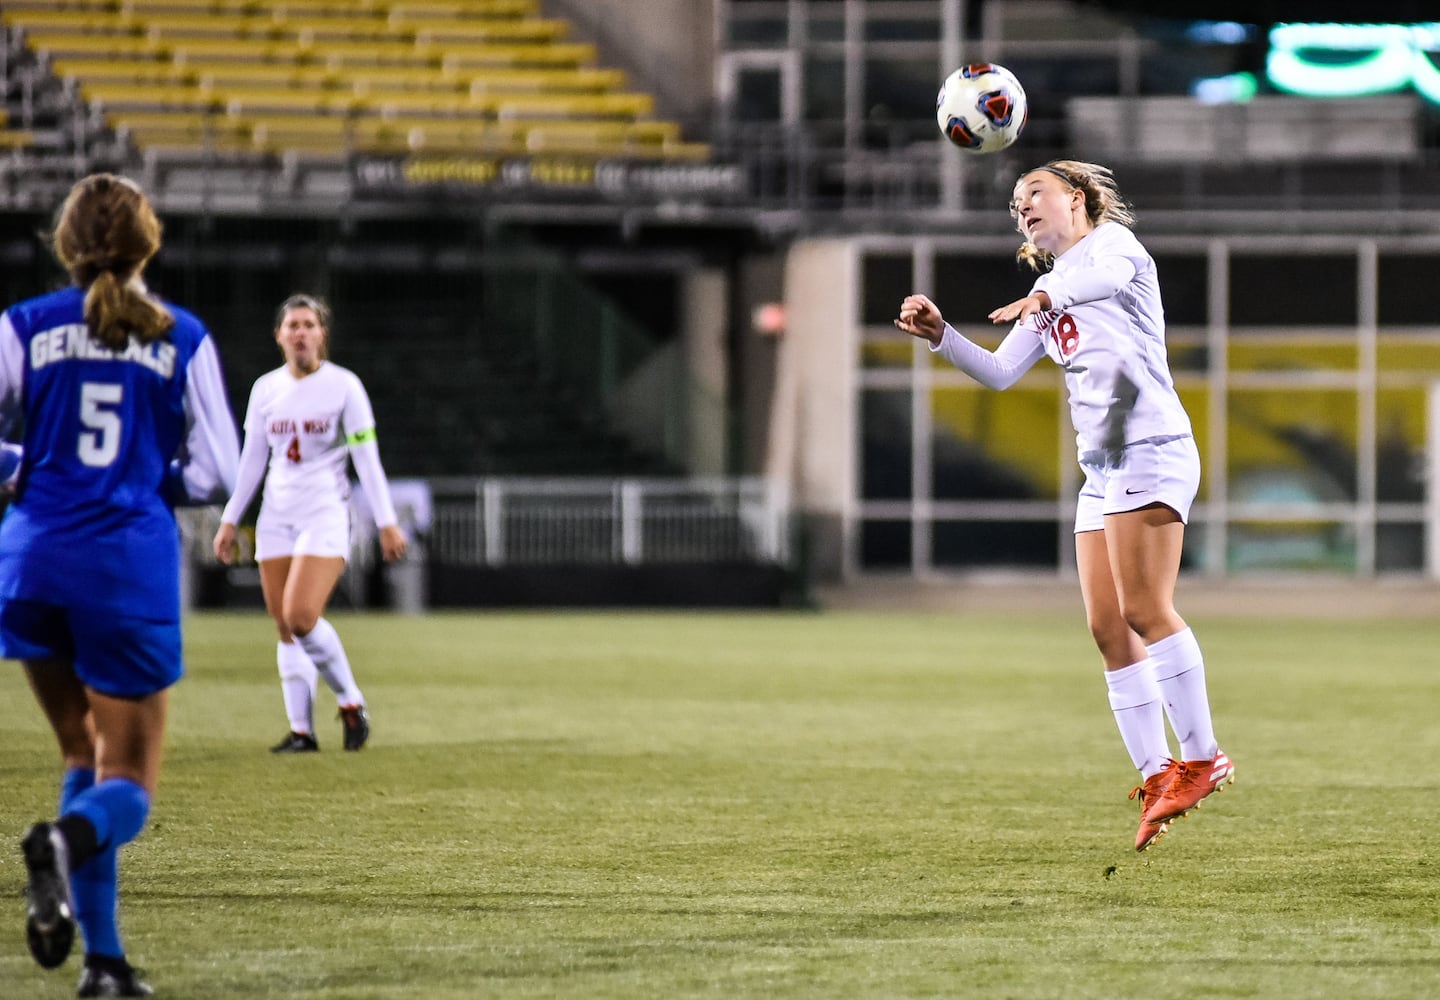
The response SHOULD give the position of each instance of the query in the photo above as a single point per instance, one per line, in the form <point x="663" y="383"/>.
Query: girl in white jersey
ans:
<point x="303" y="421"/>
<point x="1095" y="311"/>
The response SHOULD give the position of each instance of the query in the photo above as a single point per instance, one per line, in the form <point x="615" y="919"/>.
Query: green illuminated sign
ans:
<point x="1354" y="60"/>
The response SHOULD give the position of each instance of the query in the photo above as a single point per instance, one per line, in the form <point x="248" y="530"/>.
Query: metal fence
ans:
<point x="503" y="521"/>
<point x="537" y="522"/>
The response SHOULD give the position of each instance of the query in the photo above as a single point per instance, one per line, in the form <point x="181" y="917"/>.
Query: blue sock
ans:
<point x="95" y="886"/>
<point x="117" y="809"/>
<point x="77" y="780"/>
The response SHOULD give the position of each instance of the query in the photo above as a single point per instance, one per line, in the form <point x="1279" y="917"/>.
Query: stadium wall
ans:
<point x="669" y="46"/>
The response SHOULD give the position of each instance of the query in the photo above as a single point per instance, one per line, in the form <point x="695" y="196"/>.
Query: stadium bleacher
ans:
<point x="318" y="76"/>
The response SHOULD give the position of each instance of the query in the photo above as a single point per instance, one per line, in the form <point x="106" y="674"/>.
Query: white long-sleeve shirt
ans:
<point x="298" y="435"/>
<point x="1106" y="329"/>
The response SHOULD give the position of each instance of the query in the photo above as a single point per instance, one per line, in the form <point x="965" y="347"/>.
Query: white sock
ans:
<point x="1135" y="700"/>
<point x="323" y="645"/>
<point x="298" y="681"/>
<point x="1180" y="673"/>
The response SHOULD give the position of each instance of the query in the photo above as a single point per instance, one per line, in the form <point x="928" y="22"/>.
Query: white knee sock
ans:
<point x="1180" y="673"/>
<point x="1135" y="700"/>
<point x="323" y="645"/>
<point x="298" y="681"/>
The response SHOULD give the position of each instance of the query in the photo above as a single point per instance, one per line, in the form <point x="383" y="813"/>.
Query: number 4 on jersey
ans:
<point x="293" y="452"/>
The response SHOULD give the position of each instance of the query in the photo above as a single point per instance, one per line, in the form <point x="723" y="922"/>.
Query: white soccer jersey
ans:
<point x="309" y="426"/>
<point x="1106" y="328"/>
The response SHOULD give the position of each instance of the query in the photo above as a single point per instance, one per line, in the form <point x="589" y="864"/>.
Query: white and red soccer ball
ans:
<point x="981" y="108"/>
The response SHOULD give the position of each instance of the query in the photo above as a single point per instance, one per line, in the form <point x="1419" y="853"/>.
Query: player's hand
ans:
<point x="921" y="318"/>
<point x="1021" y="309"/>
<point x="225" y="544"/>
<point x="392" y="542"/>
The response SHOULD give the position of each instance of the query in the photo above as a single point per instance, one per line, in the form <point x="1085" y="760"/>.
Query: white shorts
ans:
<point x="1167" y="472"/>
<point x="325" y="532"/>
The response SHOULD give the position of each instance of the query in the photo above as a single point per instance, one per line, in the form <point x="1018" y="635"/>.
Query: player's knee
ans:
<point x="1111" y="637"/>
<point x="1148" y="620"/>
<point x="300" y="621"/>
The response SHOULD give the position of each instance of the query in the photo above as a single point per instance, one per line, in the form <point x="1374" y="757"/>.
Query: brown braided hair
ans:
<point x="105" y="234"/>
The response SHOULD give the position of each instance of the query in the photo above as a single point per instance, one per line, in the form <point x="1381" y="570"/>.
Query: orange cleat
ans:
<point x="1194" y="780"/>
<point x="1149" y="793"/>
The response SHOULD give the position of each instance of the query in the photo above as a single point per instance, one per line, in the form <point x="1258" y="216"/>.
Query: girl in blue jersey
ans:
<point x="124" y="414"/>
<point x="1095" y="311"/>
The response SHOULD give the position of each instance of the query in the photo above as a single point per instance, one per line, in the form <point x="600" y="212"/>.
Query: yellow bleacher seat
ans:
<point x="539" y="106"/>
<point x="377" y="135"/>
<point x="183" y="129"/>
<point x="405" y="12"/>
<point x="76" y="21"/>
<point x="622" y="107"/>
<point x="183" y="27"/>
<point x="125" y="71"/>
<point x="201" y="51"/>
<point x="431" y="84"/>
<point x="234" y="99"/>
<point x="120" y="96"/>
<point x="173" y="118"/>
<point x="690" y="152"/>
<point x="638" y="133"/>
<point x="16" y="138"/>
<point x="458" y="58"/>
<point x="254" y="102"/>
<point x="265" y="75"/>
<point x="254" y="8"/>
<point x="363" y="53"/>
<point x="62" y="44"/>
<point x="625" y="106"/>
<point x="46" y="6"/>
<point x="534" y="30"/>
<point x="323" y="30"/>
<point x="322" y="76"/>
<point x="393" y="105"/>
<point x="544" y="81"/>
<point x="312" y="134"/>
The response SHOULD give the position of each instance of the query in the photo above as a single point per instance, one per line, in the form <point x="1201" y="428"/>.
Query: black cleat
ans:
<point x="296" y="743"/>
<point x="114" y="978"/>
<point x="357" y="726"/>
<point x="50" y="912"/>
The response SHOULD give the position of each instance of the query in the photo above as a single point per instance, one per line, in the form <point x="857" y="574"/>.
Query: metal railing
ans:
<point x="503" y="521"/>
<point x="536" y="522"/>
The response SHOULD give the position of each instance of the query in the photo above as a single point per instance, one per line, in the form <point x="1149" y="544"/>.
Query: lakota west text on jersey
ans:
<point x="287" y="426"/>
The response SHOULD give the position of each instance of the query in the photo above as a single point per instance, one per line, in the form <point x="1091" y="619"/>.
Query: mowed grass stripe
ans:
<point x="769" y="805"/>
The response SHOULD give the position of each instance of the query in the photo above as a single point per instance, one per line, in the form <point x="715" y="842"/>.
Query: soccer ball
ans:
<point x="981" y="107"/>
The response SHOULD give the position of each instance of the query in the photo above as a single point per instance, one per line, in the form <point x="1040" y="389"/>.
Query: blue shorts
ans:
<point x="117" y="655"/>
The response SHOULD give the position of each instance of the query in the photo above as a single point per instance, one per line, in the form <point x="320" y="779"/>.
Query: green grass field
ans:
<point x="769" y="805"/>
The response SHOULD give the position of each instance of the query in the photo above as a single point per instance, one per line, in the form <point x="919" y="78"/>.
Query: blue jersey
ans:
<point x="111" y="439"/>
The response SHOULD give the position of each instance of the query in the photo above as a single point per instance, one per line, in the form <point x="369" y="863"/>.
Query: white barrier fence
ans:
<point x="537" y="522"/>
<point x="533" y="522"/>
